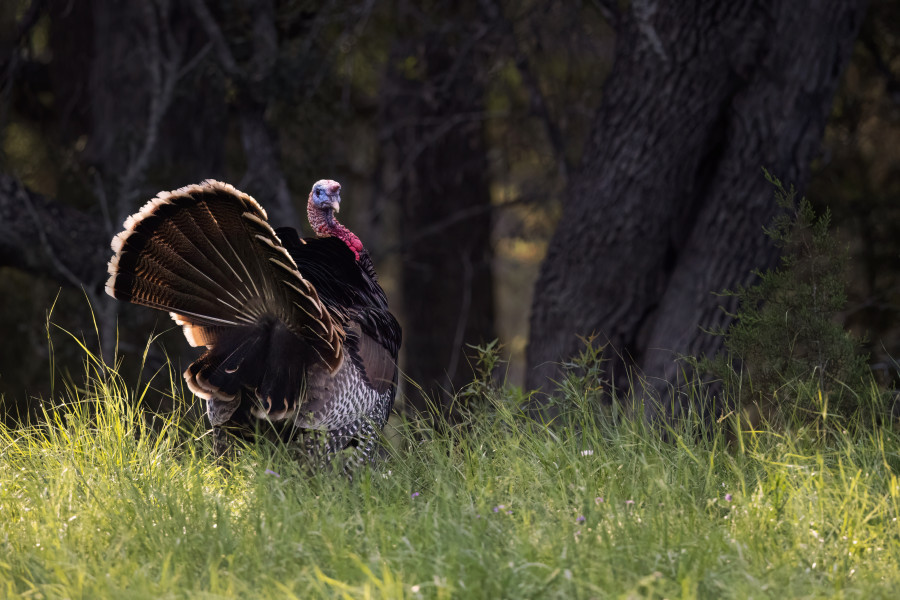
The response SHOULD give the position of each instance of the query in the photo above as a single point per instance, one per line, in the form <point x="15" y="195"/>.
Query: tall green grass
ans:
<point x="99" y="500"/>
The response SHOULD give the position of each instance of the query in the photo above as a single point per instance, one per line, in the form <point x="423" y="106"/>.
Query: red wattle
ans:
<point x="349" y="238"/>
<point x="322" y="227"/>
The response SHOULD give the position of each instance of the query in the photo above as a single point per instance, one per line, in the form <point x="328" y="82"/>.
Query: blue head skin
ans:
<point x="324" y="201"/>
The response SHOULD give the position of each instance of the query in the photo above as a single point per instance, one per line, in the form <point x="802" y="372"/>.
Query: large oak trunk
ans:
<point x="670" y="200"/>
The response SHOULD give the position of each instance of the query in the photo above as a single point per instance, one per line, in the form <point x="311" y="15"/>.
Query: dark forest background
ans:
<point x="530" y="171"/>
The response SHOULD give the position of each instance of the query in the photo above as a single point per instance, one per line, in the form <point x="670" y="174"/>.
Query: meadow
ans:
<point x="100" y="500"/>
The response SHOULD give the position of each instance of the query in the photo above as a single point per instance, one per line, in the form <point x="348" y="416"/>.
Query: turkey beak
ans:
<point x="332" y="206"/>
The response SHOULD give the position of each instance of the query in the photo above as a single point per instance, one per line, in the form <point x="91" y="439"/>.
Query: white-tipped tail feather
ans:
<point x="206" y="254"/>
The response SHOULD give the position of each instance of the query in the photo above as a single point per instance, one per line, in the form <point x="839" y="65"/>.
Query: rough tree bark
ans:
<point x="669" y="201"/>
<point x="434" y="115"/>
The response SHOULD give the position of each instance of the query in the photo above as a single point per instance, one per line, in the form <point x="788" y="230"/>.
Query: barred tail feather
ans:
<point x="265" y="357"/>
<point x="206" y="254"/>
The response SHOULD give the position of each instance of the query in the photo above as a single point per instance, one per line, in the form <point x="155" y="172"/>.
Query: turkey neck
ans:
<point x="324" y="224"/>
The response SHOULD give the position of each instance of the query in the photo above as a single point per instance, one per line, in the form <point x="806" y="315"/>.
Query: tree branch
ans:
<point x="22" y="196"/>
<point x="526" y="70"/>
<point x="29" y="20"/>
<point x="214" y="33"/>
<point x="10" y="64"/>
<point x="43" y="237"/>
<point x="438" y="227"/>
<point x="164" y="67"/>
<point x="610" y="11"/>
<point x="891" y="81"/>
<point x="264" y="177"/>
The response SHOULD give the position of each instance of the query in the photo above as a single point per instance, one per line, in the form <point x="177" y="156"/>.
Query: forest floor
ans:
<point x="99" y="501"/>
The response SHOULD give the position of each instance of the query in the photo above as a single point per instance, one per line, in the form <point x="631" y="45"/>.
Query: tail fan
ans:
<point x="206" y="254"/>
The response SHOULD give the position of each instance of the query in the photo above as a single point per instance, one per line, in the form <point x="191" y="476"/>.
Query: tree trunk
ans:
<point x="437" y="117"/>
<point x="669" y="202"/>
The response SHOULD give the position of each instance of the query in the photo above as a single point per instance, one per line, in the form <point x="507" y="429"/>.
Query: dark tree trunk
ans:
<point x="436" y="117"/>
<point x="669" y="203"/>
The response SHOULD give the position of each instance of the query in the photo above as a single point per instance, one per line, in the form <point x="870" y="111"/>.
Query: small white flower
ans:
<point x="587" y="452"/>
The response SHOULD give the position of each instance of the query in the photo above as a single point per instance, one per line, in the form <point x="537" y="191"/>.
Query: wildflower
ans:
<point x="580" y="519"/>
<point x="598" y="500"/>
<point x="509" y="512"/>
<point x="629" y="502"/>
<point x="728" y="497"/>
<point x="414" y="495"/>
<point x="587" y="452"/>
<point x="496" y="509"/>
<point x="271" y="472"/>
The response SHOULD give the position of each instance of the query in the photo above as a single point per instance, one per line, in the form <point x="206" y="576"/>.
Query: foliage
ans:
<point x="99" y="501"/>
<point x="487" y="361"/>
<point x="793" y="353"/>
<point x="584" y="376"/>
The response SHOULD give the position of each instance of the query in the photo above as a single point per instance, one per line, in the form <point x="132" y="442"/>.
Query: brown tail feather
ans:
<point x="206" y="254"/>
<point x="265" y="357"/>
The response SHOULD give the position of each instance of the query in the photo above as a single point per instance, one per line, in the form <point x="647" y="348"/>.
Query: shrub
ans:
<point x="785" y="338"/>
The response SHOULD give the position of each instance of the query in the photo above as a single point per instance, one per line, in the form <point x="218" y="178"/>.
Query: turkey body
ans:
<point x="297" y="331"/>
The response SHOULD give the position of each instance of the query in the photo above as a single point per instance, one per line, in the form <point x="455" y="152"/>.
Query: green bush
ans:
<point x="786" y="350"/>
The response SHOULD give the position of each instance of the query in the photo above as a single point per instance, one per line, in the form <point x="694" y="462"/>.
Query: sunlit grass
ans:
<point x="100" y="500"/>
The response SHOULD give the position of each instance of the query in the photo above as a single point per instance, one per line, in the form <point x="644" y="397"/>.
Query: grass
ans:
<point x="101" y="501"/>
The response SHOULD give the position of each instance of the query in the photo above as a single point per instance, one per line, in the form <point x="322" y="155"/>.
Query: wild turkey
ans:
<point x="297" y="331"/>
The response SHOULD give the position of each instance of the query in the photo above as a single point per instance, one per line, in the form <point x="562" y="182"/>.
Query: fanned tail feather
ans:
<point x="206" y="254"/>
<point x="262" y="357"/>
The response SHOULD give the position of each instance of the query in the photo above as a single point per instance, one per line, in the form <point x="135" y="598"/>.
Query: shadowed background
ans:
<point x="528" y="171"/>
